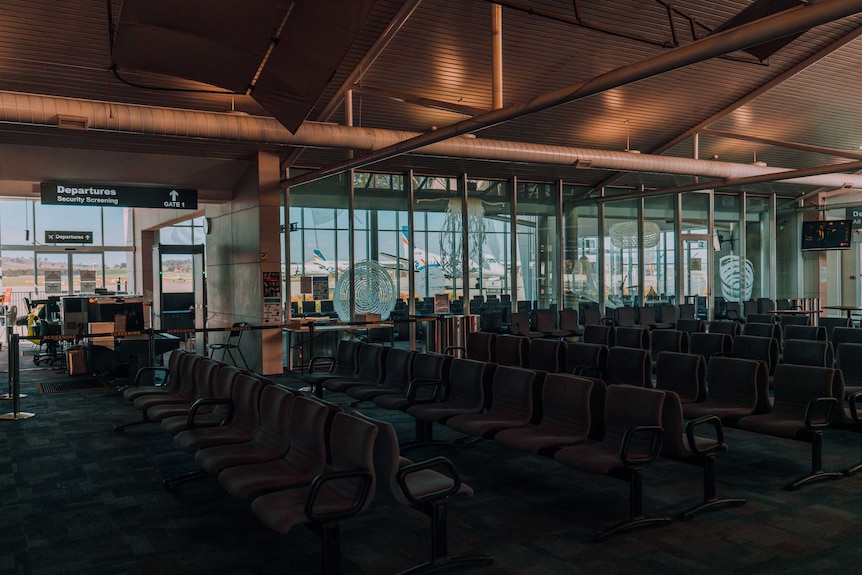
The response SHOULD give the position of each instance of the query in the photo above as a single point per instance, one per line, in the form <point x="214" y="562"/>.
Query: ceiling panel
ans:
<point x="442" y="54"/>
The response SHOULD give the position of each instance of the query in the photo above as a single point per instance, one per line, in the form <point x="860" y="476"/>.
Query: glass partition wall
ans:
<point x="319" y="244"/>
<point x="696" y="250"/>
<point x="538" y="246"/>
<point x="659" y="239"/>
<point x="489" y="207"/>
<point x="759" y="233"/>
<point x="581" y="252"/>
<point x="438" y="218"/>
<point x="622" y="246"/>
<point x="533" y="245"/>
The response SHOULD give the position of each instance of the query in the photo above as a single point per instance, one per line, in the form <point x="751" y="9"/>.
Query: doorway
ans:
<point x="78" y="272"/>
<point x="179" y="298"/>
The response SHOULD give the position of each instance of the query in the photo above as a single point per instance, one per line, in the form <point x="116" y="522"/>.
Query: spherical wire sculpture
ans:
<point x="733" y="271"/>
<point x="625" y="234"/>
<point x="373" y="291"/>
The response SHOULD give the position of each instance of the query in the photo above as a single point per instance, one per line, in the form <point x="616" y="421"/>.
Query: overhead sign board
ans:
<point x="58" y="237"/>
<point x="81" y="194"/>
<point x="855" y="214"/>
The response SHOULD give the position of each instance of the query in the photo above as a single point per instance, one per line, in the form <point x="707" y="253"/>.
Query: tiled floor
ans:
<point x="78" y="498"/>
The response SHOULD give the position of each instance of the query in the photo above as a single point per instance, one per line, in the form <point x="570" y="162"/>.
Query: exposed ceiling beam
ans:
<point x="733" y="182"/>
<point x="751" y="96"/>
<point x="392" y="29"/>
<point x="783" y="24"/>
<point x="419" y="100"/>
<point x="849" y="154"/>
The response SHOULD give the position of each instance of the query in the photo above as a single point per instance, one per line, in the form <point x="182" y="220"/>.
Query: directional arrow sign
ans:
<point x="62" y="237"/>
<point x="109" y="195"/>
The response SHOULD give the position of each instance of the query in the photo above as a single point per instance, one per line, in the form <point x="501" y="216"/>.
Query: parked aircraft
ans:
<point x="319" y="266"/>
<point x="421" y="259"/>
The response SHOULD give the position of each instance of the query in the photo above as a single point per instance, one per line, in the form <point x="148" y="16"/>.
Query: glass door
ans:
<point x="52" y="274"/>
<point x="86" y="273"/>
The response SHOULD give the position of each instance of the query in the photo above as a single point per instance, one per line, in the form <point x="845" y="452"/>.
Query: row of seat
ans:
<point x="367" y="372"/>
<point x="298" y="460"/>
<point x="738" y="395"/>
<point x="555" y="356"/>
<point x="787" y="328"/>
<point x="556" y="415"/>
<point x="746" y="394"/>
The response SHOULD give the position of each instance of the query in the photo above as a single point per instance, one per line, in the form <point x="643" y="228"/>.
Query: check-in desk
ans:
<point x="125" y="355"/>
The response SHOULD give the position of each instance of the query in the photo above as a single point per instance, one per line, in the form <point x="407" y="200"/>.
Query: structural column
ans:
<point x="244" y="245"/>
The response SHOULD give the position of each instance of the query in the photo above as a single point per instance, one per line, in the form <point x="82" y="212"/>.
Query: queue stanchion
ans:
<point x="8" y="395"/>
<point x="15" y="381"/>
<point x="13" y="358"/>
<point x="151" y="347"/>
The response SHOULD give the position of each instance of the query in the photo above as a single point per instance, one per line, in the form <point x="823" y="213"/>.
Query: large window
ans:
<point x="653" y="250"/>
<point x="659" y="277"/>
<point x="35" y="264"/>
<point x="622" y="244"/>
<point x="489" y="206"/>
<point x="381" y="226"/>
<point x="319" y="230"/>
<point x="438" y="222"/>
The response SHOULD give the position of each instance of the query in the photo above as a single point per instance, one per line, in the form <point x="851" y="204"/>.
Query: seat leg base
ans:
<point x="813" y="477"/>
<point x="711" y="504"/>
<point x="852" y="470"/>
<point x="173" y="482"/>
<point x="449" y="562"/>
<point x="427" y="443"/>
<point x="122" y="427"/>
<point x="633" y="523"/>
<point x="468" y="440"/>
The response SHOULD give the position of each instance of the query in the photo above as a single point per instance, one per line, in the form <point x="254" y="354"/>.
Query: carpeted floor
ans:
<point x="78" y="498"/>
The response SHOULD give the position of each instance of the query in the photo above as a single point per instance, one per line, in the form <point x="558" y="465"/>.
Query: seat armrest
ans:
<point x="628" y="437"/>
<point x="590" y="371"/>
<point x="329" y="361"/>
<point x="854" y="411"/>
<point x="153" y="370"/>
<point x="452" y="348"/>
<point x="415" y="385"/>
<point x="433" y="463"/>
<point x="819" y="403"/>
<point x="329" y="476"/>
<point x="719" y="434"/>
<point x="607" y="321"/>
<point x="206" y="402"/>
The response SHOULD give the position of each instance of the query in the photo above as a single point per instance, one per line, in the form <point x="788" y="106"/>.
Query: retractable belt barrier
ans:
<point x="151" y="333"/>
<point x="185" y="331"/>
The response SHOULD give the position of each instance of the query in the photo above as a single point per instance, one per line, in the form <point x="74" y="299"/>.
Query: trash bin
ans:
<point x="76" y="360"/>
<point x="456" y="328"/>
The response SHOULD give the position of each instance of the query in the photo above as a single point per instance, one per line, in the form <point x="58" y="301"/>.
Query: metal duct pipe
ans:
<point x="29" y="109"/>
<point x="783" y="24"/>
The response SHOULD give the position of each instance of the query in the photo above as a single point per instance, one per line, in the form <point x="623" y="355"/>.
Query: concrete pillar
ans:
<point x="244" y="243"/>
